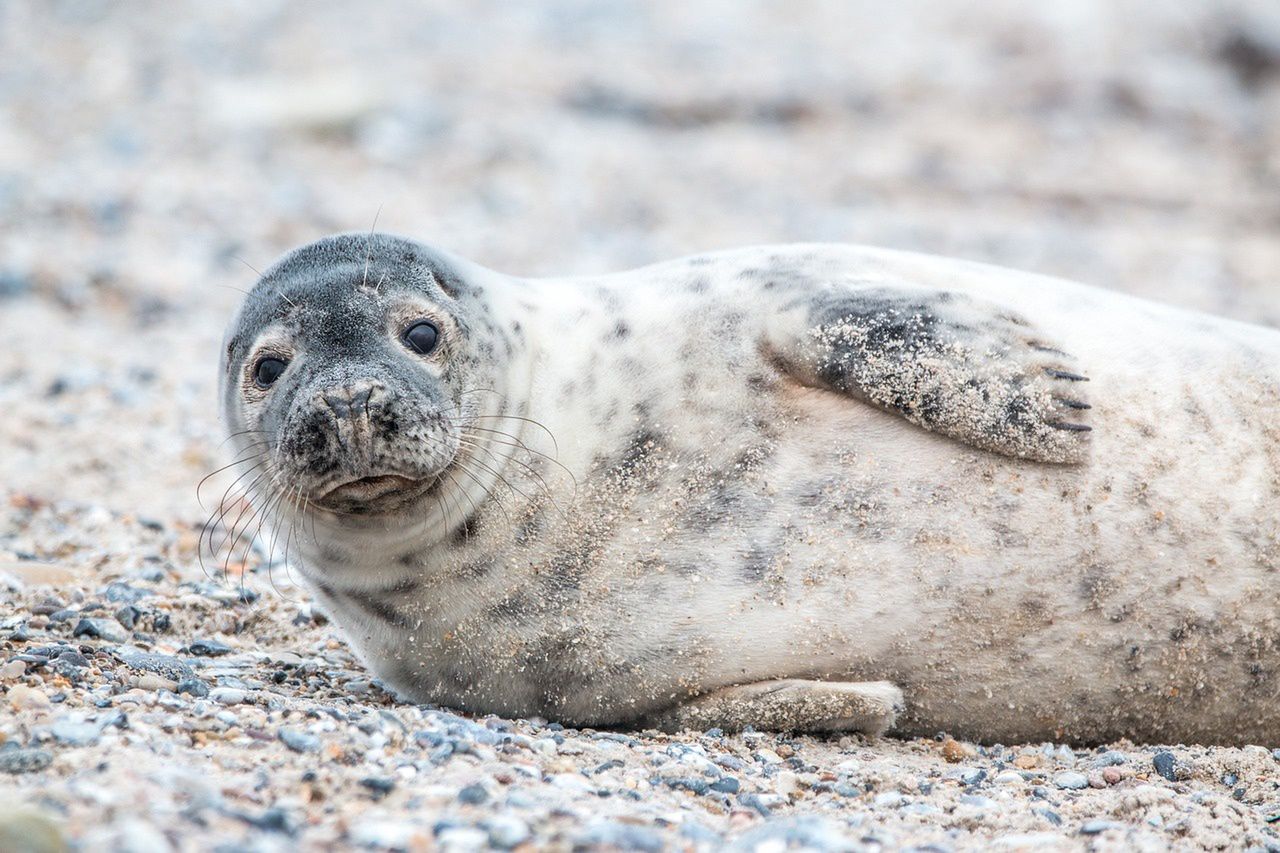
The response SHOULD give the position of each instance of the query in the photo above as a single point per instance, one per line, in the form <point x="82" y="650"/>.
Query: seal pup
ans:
<point x="808" y="487"/>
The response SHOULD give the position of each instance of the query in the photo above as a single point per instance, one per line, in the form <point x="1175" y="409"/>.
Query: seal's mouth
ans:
<point x="380" y="492"/>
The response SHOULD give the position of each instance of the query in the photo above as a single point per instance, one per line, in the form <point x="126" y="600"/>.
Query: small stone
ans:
<point x="889" y="800"/>
<point x="379" y="785"/>
<point x="208" y="648"/>
<point x="955" y="752"/>
<point x="24" y="760"/>
<point x="151" y="681"/>
<point x="972" y="776"/>
<point x="1166" y="764"/>
<point x="1070" y="780"/>
<point x="228" y="695"/>
<point x="389" y="834"/>
<point x="1096" y="779"/>
<point x="473" y="795"/>
<point x="1009" y="777"/>
<point x="22" y="697"/>
<point x="1049" y="815"/>
<point x="122" y="593"/>
<point x="100" y="629"/>
<point x="507" y="831"/>
<point x="299" y="741"/>
<point x="1095" y="827"/>
<point x="128" y="616"/>
<point x="1111" y="776"/>
<point x="725" y="785"/>
<point x="1110" y="758"/>
<point x="622" y="836"/>
<point x="767" y="756"/>
<point x="13" y="669"/>
<point x="74" y="731"/>
<point x="192" y="687"/>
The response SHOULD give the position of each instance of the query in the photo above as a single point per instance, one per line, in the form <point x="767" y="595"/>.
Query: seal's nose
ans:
<point x="352" y="400"/>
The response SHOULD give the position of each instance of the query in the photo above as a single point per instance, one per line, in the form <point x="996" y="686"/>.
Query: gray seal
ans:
<point x="808" y="487"/>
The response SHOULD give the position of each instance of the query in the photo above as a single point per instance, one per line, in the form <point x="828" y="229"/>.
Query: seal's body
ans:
<point x="774" y="486"/>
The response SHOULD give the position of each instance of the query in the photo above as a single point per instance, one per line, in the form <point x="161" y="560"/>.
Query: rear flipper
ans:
<point x="793" y="705"/>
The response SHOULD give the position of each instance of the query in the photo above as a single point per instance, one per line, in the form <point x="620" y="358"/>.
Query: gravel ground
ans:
<point x="150" y="154"/>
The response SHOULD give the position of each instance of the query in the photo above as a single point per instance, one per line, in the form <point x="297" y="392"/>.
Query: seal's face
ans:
<point x="344" y="372"/>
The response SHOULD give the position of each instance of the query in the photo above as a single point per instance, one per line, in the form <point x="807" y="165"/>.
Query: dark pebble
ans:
<point x="726" y="785"/>
<point x="209" y="648"/>
<point x="1166" y="765"/>
<point x="100" y="629"/>
<point x="608" y="765"/>
<point x="752" y="801"/>
<point x="66" y="615"/>
<point x="697" y="786"/>
<point x="380" y="785"/>
<point x="47" y="607"/>
<point x="1049" y="815"/>
<point x="193" y="687"/>
<point x="128" y="616"/>
<point x="473" y="795"/>
<point x="163" y="622"/>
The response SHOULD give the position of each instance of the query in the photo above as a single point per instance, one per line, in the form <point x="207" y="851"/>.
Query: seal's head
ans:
<point x="345" y="369"/>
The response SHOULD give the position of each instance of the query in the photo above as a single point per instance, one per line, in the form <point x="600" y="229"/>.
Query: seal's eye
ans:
<point x="421" y="337"/>
<point x="267" y="371"/>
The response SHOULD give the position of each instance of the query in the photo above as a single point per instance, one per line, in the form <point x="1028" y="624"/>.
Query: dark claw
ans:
<point x="1073" y="404"/>
<point x="1072" y="427"/>
<point x="1062" y="374"/>
<point x="1054" y="351"/>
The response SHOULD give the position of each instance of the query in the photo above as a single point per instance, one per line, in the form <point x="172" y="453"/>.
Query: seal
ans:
<point x="809" y="487"/>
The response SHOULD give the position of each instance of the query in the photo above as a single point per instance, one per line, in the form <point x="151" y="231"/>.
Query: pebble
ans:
<point x="13" y="669"/>
<point x="473" y="795"/>
<point x="24" y="760"/>
<point x="1110" y="758"/>
<point x="507" y="831"/>
<point x="192" y="687"/>
<point x="299" y="741"/>
<point x="1095" y="827"/>
<point x="100" y="629"/>
<point x="1166" y="764"/>
<point x="623" y="836"/>
<point x="208" y="648"/>
<point x="1070" y="780"/>
<point x="21" y="697"/>
<point x="228" y="695"/>
<point x="74" y="731"/>
<point x="151" y="681"/>
<point x="1009" y="777"/>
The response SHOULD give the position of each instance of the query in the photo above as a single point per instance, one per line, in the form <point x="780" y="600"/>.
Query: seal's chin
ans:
<point x="371" y="495"/>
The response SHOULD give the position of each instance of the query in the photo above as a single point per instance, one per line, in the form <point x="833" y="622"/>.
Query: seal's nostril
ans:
<point x="360" y="398"/>
<point x="340" y="404"/>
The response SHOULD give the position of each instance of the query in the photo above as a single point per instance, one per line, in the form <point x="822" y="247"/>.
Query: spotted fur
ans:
<point x="806" y="462"/>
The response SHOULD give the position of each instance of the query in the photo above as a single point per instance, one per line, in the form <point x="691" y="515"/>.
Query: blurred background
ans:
<point x="152" y="153"/>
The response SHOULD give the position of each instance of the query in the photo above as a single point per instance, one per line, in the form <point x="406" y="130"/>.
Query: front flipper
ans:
<point x="948" y="362"/>
<point x="789" y="705"/>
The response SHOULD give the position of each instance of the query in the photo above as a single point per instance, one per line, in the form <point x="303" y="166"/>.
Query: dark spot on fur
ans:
<point x="620" y="331"/>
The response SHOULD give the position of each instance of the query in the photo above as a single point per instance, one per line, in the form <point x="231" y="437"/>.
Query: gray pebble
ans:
<point x="122" y="593"/>
<point x="1094" y="827"/>
<point x="1070" y="780"/>
<point x="24" y="760"/>
<point x="193" y="687"/>
<point x="100" y="629"/>
<point x="209" y="648"/>
<point x="299" y="741"/>
<point x="473" y="795"/>
<point x="624" y="836"/>
<point x="167" y="666"/>
<point x="507" y="831"/>
<point x="74" y="731"/>
<point x="1165" y="763"/>
<point x="1110" y="758"/>
<point x="726" y="785"/>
